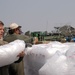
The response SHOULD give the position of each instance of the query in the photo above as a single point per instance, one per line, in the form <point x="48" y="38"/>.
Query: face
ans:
<point x="1" y="31"/>
<point x="18" y="31"/>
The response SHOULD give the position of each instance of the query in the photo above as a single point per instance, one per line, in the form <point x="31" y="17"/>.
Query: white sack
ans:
<point x="57" y="65"/>
<point x="71" y="59"/>
<point x="71" y="54"/>
<point x="9" y="52"/>
<point x="37" y="55"/>
<point x="34" y="60"/>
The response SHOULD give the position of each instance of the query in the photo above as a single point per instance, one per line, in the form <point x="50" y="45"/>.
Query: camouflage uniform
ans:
<point x="10" y="38"/>
<point x="4" y="69"/>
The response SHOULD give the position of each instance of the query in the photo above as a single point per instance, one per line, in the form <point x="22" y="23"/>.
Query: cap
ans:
<point x="14" y="26"/>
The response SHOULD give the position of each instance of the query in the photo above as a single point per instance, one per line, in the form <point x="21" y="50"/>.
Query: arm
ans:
<point x="19" y="60"/>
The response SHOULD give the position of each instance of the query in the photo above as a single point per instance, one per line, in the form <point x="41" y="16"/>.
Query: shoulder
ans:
<point x="21" y="36"/>
<point x="3" y="42"/>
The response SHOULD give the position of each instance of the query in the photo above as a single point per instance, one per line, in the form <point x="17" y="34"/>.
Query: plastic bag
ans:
<point x="57" y="65"/>
<point x="9" y="52"/>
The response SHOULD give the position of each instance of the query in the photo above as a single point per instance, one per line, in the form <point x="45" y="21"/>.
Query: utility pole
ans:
<point x="46" y="25"/>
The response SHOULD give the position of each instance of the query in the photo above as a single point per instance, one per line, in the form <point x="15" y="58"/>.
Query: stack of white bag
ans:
<point x="37" y="55"/>
<point x="9" y="52"/>
<point x="60" y="64"/>
<point x="54" y="58"/>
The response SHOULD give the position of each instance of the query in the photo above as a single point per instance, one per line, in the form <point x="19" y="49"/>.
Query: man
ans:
<point x="4" y="69"/>
<point x="13" y="34"/>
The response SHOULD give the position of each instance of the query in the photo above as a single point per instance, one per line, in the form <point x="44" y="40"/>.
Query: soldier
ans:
<point x="13" y="34"/>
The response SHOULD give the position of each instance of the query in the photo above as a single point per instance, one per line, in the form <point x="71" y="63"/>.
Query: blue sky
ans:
<point x="38" y="15"/>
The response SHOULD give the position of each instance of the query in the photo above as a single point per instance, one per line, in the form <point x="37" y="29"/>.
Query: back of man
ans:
<point x="10" y="38"/>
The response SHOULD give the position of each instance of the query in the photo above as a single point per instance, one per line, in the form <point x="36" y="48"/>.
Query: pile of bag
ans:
<point x="54" y="58"/>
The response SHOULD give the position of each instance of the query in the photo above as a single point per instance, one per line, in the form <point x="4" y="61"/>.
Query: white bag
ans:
<point x="57" y="65"/>
<point x="9" y="52"/>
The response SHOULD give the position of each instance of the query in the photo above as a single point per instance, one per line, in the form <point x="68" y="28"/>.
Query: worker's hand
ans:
<point x="21" y="54"/>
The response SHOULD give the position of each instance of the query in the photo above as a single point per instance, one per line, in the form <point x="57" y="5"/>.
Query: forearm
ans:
<point x="19" y="60"/>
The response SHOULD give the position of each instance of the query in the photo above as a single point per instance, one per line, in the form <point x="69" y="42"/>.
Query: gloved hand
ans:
<point x="21" y="54"/>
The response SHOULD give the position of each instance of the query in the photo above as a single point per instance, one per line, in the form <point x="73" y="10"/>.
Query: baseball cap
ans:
<point x="14" y="26"/>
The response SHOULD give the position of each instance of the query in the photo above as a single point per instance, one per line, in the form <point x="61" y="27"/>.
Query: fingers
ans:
<point x="21" y="54"/>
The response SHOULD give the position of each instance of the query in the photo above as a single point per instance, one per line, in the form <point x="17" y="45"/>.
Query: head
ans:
<point x="1" y="29"/>
<point x="15" y="28"/>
